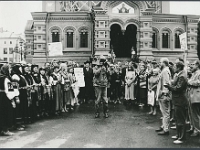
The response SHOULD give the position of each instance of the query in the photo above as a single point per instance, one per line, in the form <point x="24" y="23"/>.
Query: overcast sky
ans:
<point x="14" y="15"/>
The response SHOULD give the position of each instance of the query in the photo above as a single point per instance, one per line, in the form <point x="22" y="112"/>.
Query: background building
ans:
<point x="11" y="46"/>
<point x="88" y="28"/>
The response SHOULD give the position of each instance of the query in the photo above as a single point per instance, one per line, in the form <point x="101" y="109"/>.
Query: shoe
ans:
<point x="150" y="113"/>
<point x="194" y="134"/>
<point x="22" y="126"/>
<point x="77" y="104"/>
<point x="175" y="137"/>
<point x="141" y="105"/>
<point x="119" y="102"/>
<point x="178" y="142"/>
<point x="106" y="115"/>
<point x="159" y="129"/>
<point x="173" y="127"/>
<point x="163" y="133"/>
<point x="189" y="131"/>
<point x="154" y="113"/>
<point x="8" y="133"/>
<point x="97" y="115"/>
<point x="161" y="118"/>
<point x="20" y="129"/>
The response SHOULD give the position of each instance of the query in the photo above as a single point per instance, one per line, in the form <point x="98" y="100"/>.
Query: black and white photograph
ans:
<point x="99" y="74"/>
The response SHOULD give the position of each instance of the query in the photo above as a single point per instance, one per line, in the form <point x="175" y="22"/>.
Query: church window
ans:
<point x="165" y="39"/>
<point x="177" y="40"/>
<point x="70" y="38"/>
<point x="39" y="28"/>
<point x="39" y="46"/>
<point x="84" y="38"/>
<point x="39" y="37"/>
<point x="154" y="40"/>
<point x="55" y="35"/>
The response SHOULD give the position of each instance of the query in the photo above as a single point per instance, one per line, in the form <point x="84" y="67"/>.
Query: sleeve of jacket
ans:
<point x="195" y="82"/>
<point x="166" y="79"/>
<point x="179" y="86"/>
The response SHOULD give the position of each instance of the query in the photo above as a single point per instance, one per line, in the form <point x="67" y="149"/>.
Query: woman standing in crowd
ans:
<point x="129" y="84"/>
<point x="153" y="81"/>
<point x="56" y="80"/>
<point x="142" y="85"/>
<point x="118" y="83"/>
<point x="68" y="93"/>
<point x="7" y="95"/>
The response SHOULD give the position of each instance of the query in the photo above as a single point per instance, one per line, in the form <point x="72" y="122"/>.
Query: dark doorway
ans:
<point x="116" y="39"/>
<point x="122" y="43"/>
<point x="130" y="39"/>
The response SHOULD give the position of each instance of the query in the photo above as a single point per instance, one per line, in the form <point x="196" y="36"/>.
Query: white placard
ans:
<point x="55" y="49"/>
<point x="183" y="41"/>
<point x="78" y="72"/>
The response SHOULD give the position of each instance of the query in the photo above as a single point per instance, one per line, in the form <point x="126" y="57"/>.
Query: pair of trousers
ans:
<point x="180" y="117"/>
<point x="164" y="103"/>
<point x="101" y="94"/>
<point x="196" y="116"/>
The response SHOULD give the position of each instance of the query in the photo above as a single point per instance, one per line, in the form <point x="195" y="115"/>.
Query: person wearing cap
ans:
<point x="7" y="103"/>
<point x="179" y="100"/>
<point x="57" y="80"/>
<point x="100" y="82"/>
<point x="111" y="80"/>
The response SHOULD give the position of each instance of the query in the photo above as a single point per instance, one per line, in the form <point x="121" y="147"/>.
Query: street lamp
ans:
<point x="21" y="42"/>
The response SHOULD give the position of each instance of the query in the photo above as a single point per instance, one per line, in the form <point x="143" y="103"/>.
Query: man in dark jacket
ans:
<point x="88" y="77"/>
<point x="100" y="83"/>
<point x="179" y="101"/>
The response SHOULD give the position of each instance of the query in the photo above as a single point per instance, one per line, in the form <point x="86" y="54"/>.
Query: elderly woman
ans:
<point x="153" y="81"/>
<point x="7" y="95"/>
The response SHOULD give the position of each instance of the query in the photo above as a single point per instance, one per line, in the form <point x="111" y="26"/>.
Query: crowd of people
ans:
<point x="29" y="91"/>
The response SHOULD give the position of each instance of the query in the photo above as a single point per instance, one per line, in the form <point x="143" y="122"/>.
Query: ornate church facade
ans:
<point x="93" y="28"/>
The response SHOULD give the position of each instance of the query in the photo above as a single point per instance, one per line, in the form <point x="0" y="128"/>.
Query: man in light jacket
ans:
<point x="194" y="97"/>
<point x="164" y="96"/>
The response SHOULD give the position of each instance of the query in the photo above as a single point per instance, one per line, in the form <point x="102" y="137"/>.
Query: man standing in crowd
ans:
<point x="194" y="97"/>
<point x="88" y="77"/>
<point x="100" y="84"/>
<point x="164" y="96"/>
<point x="179" y="101"/>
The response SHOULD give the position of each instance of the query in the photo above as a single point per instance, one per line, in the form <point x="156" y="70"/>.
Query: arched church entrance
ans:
<point x="123" y="42"/>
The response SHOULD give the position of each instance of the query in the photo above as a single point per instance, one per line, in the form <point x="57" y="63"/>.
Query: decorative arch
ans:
<point x="69" y="28"/>
<point x="132" y="21"/>
<point x="83" y="28"/>
<point x="55" y="34"/>
<point x="179" y="29"/>
<point x="166" y="29"/>
<point x="116" y="21"/>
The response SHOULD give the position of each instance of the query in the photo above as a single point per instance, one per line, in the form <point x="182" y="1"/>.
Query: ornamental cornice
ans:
<point x="70" y="18"/>
<point x="168" y="20"/>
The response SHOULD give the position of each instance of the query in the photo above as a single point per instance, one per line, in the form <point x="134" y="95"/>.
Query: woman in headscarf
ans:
<point x="7" y="95"/>
<point x="57" y="80"/>
<point x="17" y="112"/>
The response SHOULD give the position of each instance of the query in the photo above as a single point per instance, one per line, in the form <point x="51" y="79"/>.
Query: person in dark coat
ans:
<point x="179" y="101"/>
<point x="7" y="103"/>
<point x="88" y="77"/>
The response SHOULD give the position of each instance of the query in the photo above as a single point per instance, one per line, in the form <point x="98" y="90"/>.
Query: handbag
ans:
<point x="151" y="98"/>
